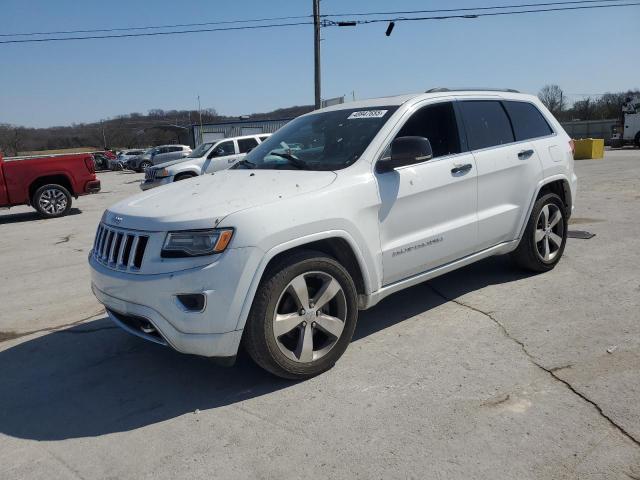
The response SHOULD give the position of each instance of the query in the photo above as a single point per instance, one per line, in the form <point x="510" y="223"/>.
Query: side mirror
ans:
<point x="406" y="151"/>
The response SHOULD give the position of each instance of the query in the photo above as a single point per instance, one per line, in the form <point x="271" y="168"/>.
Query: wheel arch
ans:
<point x="558" y="184"/>
<point x="337" y="244"/>
<point x="58" y="179"/>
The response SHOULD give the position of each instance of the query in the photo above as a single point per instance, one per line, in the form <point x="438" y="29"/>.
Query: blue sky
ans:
<point x="238" y="73"/>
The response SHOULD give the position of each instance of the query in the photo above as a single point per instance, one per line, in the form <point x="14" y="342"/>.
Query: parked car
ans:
<point x="101" y="160"/>
<point x="282" y="250"/>
<point x="157" y="155"/>
<point x="47" y="182"/>
<point x="206" y="158"/>
<point x="123" y="157"/>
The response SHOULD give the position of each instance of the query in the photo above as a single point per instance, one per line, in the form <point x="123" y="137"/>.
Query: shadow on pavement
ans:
<point x="95" y="379"/>
<point x="30" y="216"/>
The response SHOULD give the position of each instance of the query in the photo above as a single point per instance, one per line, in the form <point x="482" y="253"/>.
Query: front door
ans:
<point x="221" y="157"/>
<point x="428" y="210"/>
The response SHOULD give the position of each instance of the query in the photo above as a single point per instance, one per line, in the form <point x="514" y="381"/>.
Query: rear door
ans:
<point x="428" y="210"/>
<point x="508" y="170"/>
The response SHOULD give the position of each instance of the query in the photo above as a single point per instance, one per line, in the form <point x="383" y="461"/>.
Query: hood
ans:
<point x="203" y="201"/>
<point x="160" y="166"/>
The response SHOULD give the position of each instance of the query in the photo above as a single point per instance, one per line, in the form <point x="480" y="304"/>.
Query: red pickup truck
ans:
<point x="47" y="182"/>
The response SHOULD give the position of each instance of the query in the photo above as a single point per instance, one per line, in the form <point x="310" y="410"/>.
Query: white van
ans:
<point x="207" y="158"/>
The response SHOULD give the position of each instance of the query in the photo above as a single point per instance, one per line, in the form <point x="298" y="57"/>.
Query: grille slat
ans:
<point x="119" y="249"/>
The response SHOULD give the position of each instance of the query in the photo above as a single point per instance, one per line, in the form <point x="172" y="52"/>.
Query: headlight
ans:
<point x="162" y="173"/>
<point x="195" y="243"/>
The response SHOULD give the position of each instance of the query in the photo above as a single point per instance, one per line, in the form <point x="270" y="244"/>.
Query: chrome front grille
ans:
<point x="119" y="249"/>
<point x="150" y="173"/>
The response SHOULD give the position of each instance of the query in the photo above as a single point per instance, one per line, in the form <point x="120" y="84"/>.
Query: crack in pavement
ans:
<point x="550" y="371"/>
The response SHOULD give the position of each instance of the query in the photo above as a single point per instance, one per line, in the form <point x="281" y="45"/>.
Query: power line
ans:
<point x="154" y="34"/>
<point x="297" y="17"/>
<point x="478" y="15"/>
<point x="149" y="27"/>
<point x="327" y="23"/>
<point x="468" y="9"/>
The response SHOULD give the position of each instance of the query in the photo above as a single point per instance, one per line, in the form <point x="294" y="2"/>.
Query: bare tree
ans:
<point x="553" y="98"/>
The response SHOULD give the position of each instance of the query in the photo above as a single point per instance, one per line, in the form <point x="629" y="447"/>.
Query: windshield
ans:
<point x="200" y="151"/>
<point x="323" y="141"/>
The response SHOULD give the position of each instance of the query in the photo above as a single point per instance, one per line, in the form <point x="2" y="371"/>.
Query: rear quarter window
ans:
<point x="528" y="122"/>
<point x="486" y="123"/>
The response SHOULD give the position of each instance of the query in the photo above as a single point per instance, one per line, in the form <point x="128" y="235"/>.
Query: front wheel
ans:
<point x="545" y="236"/>
<point x="144" y="165"/>
<point x="52" y="201"/>
<point x="303" y="316"/>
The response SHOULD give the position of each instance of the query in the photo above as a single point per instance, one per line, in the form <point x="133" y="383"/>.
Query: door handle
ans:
<point x="524" y="154"/>
<point x="461" y="169"/>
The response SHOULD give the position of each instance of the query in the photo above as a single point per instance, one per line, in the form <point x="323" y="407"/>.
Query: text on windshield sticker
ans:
<point x="367" y="114"/>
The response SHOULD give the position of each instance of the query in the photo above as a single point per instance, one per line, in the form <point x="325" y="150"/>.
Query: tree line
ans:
<point x="156" y="127"/>
<point x="606" y="106"/>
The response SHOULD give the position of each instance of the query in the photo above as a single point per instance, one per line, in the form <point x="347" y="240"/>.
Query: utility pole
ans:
<point x="316" y="50"/>
<point x="104" y="137"/>
<point x="199" y="113"/>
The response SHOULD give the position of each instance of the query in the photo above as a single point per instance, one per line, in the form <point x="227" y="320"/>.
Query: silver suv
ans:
<point x="157" y="155"/>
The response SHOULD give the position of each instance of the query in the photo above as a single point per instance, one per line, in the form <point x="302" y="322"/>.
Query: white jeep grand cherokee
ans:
<point x="335" y="211"/>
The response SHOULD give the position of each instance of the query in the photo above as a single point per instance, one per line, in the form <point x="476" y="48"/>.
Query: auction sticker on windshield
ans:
<point x="367" y="114"/>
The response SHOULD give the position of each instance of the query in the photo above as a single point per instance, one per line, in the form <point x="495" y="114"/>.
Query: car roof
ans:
<point x="253" y="135"/>
<point x="398" y="100"/>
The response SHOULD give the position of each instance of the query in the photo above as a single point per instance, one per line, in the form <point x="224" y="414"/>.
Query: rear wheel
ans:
<point x="303" y="316"/>
<point x="52" y="201"/>
<point x="545" y="236"/>
<point x="144" y="165"/>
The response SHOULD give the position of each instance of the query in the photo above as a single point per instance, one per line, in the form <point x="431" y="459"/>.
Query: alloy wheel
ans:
<point x="549" y="232"/>
<point x="53" y="201"/>
<point x="310" y="316"/>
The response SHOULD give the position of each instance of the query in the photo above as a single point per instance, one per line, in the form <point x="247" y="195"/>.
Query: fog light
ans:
<point x="194" y="302"/>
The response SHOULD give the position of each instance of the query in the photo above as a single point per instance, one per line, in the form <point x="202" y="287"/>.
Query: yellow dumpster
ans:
<point x="589" y="148"/>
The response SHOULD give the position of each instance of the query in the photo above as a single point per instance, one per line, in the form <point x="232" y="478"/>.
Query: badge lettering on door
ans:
<point x="417" y="246"/>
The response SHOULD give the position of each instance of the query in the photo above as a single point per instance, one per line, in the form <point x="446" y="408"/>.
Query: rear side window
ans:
<point x="486" y="123"/>
<point x="527" y="120"/>
<point x="263" y="138"/>
<point x="247" y="144"/>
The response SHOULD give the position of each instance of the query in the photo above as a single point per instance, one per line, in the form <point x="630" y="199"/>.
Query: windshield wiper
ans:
<point x="293" y="160"/>
<point x="244" y="163"/>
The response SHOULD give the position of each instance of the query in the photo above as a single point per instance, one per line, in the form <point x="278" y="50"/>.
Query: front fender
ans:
<point x="298" y="242"/>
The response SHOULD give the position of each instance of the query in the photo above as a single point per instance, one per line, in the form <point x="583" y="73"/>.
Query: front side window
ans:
<point x="246" y="144"/>
<point x="486" y="123"/>
<point x="438" y="124"/>
<point x="527" y="120"/>
<point x="323" y="141"/>
<point x="224" y="149"/>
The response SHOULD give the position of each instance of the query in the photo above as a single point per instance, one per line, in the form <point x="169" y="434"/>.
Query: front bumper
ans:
<point x="148" y="184"/>
<point x="211" y="332"/>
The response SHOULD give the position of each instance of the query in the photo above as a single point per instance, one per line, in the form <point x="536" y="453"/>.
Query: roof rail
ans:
<point x="476" y="89"/>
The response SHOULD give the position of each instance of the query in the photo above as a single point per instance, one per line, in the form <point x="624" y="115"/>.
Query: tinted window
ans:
<point x="174" y="149"/>
<point x="527" y="120"/>
<point x="438" y="124"/>
<point x="225" y="148"/>
<point x="486" y="123"/>
<point x="247" y="144"/>
<point x="263" y="138"/>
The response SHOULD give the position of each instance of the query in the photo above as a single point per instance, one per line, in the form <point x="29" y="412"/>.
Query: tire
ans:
<point x="636" y="141"/>
<point x="183" y="176"/>
<point x="52" y="200"/>
<point x="144" y="165"/>
<point x="545" y="236"/>
<point x="284" y="350"/>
